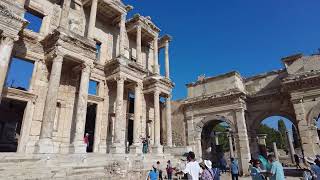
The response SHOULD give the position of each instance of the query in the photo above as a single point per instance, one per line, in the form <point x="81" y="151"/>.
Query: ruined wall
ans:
<point x="178" y="124"/>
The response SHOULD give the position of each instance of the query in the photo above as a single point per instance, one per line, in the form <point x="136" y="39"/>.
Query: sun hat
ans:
<point x="208" y="163"/>
<point x="310" y="160"/>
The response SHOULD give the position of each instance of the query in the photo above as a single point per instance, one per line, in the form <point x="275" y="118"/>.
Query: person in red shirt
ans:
<point x="86" y="139"/>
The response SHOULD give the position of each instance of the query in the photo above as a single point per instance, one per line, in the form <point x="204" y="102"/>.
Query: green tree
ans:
<point x="223" y="137"/>
<point x="272" y="135"/>
<point x="283" y="137"/>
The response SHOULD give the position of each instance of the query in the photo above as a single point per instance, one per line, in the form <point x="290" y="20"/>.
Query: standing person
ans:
<point x="297" y="161"/>
<point x="159" y="170"/>
<point x="86" y="140"/>
<point x="315" y="168"/>
<point x="234" y="169"/>
<point x="145" y="146"/>
<point x="192" y="167"/>
<point x="216" y="173"/>
<point x="153" y="174"/>
<point x="223" y="165"/>
<point x="207" y="173"/>
<point x="256" y="171"/>
<point x="276" y="171"/>
<point x="169" y="170"/>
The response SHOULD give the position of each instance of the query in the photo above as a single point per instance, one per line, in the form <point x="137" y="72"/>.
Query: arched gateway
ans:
<point x="293" y="92"/>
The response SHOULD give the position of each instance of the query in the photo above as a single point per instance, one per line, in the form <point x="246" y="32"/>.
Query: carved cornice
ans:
<point x="13" y="93"/>
<point x="301" y="81"/>
<point x="145" y="22"/>
<point x="5" y="11"/>
<point x="61" y="38"/>
<point x="231" y="96"/>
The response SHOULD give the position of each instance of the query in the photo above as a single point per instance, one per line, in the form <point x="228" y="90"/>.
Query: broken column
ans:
<point x="275" y="150"/>
<point x="291" y="148"/>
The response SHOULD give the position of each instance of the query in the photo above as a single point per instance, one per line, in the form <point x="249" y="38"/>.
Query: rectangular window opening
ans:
<point x="93" y="87"/>
<point x="34" y="19"/>
<point x="19" y="74"/>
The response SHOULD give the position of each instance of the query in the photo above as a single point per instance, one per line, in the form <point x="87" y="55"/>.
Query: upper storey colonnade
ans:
<point x="87" y="40"/>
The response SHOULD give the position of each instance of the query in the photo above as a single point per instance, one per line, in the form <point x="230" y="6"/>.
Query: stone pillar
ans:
<point x="216" y="140"/>
<point x="64" y="17"/>
<point x="168" y="118"/>
<point x="231" y="145"/>
<point x="244" y="149"/>
<point x="156" y="69"/>
<point x="136" y="147"/>
<point x="6" y="47"/>
<point x="262" y="139"/>
<point x="139" y="57"/>
<point x="78" y="145"/>
<point x="45" y="144"/>
<point x="275" y="150"/>
<point x="291" y="148"/>
<point x="167" y="63"/>
<point x="122" y="34"/>
<point x="119" y="145"/>
<point x="157" y="148"/>
<point x="92" y="21"/>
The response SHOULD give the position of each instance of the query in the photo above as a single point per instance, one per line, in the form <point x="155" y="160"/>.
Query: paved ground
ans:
<point x="228" y="177"/>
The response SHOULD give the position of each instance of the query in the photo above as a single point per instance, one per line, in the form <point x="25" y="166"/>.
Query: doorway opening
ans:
<point x="90" y="125"/>
<point x="11" y="116"/>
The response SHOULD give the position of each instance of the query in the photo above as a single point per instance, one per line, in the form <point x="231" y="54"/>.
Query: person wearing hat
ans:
<point x="207" y="173"/>
<point x="256" y="171"/>
<point x="308" y="173"/>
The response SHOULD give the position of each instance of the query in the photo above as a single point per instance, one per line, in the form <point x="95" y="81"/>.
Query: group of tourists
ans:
<point x="313" y="172"/>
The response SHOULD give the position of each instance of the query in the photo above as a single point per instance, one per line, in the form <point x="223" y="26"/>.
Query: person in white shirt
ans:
<point x="192" y="168"/>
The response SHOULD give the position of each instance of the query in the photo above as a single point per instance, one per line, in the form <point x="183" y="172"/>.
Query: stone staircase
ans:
<point x="78" y="166"/>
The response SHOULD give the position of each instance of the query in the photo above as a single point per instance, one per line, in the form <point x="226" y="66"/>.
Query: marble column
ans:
<point x="291" y="148"/>
<point x="119" y="145"/>
<point x="122" y="35"/>
<point x="157" y="148"/>
<point x="92" y="20"/>
<point x="275" y="150"/>
<point x="136" y="147"/>
<point x="231" y="145"/>
<point x="45" y="144"/>
<point x="156" y="68"/>
<point x="6" y="46"/>
<point x="167" y="63"/>
<point x="64" y="17"/>
<point x="216" y="139"/>
<point x="78" y="145"/>
<point x="139" y="57"/>
<point x="243" y="141"/>
<point x="168" y="118"/>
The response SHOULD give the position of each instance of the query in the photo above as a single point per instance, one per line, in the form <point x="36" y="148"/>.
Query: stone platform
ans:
<point x="78" y="166"/>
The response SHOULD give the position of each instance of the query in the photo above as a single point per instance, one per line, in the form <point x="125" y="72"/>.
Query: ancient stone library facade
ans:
<point x="75" y="46"/>
<point x="79" y="42"/>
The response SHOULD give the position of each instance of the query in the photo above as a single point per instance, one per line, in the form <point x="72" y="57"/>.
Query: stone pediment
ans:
<point x="70" y="44"/>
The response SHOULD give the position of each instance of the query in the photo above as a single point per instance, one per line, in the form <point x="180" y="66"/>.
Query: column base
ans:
<point x="44" y="146"/>
<point x="78" y="148"/>
<point x="118" y="148"/>
<point x="157" y="149"/>
<point x="135" y="149"/>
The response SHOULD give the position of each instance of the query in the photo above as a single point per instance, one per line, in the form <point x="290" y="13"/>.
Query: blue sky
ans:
<point x="216" y="36"/>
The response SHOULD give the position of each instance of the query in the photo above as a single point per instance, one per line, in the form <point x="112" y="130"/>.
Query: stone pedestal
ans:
<point x="136" y="149"/>
<point x="118" y="148"/>
<point x="44" y="146"/>
<point x="157" y="149"/>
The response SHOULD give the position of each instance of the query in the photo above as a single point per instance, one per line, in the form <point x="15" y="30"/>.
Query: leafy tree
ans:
<point x="283" y="137"/>
<point x="223" y="137"/>
<point x="272" y="135"/>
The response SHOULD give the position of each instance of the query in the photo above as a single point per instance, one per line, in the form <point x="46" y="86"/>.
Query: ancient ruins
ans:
<point x="80" y="43"/>
<point x="292" y="92"/>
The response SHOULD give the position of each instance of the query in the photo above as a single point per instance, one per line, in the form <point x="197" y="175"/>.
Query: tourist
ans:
<point x="309" y="174"/>
<point x="234" y="169"/>
<point x="276" y="171"/>
<point x="216" y="173"/>
<point x="86" y="140"/>
<point x="169" y="170"/>
<point x="192" y="169"/>
<point x="207" y="173"/>
<point x="144" y="146"/>
<point x="263" y="158"/>
<point x="223" y="165"/>
<point x="316" y="169"/>
<point x="153" y="174"/>
<point x="255" y="171"/>
<point x="159" y="170"/>
<point x="297" y="161"/>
